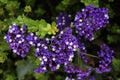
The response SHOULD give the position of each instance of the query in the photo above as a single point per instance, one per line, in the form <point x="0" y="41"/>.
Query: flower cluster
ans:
<point x="32" y="39"/>
<point x="46" y="57"/>
<point x="63" y="21"/>
<point x="81" y="74"/>
<point x="67" y="46"/>
<point x="16" y="38"/>
<point x="89" y="20"/>
<point x="106" y="56"/>
<point x="62" y="50"/>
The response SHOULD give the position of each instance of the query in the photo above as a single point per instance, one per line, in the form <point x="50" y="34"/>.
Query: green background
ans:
<point x="39" y="16"/>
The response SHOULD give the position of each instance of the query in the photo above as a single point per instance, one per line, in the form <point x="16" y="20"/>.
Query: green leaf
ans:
<point x="2" y="59"/>
<point x="114" y="29"/>
<point x="53" y="29"/>
<point x="10" y="77"/>
<point x="43" y="28"/>
<point x="111" y="12"/>
<point x="30" y="2"/>
<point x="40" y="76"/>
<point x="118" y="79"/>
<point x="113" y="38"/>
<point x="3" y="56"/>
<point x="3" y="47"/>
<point x="40" y="27"/>
<point x="40" y="12"/>
<point x="116" y="64"/>
<point x="1" y="71"/>
<point x="110" y="0"/>
<point x="12" y="5"/>
<point x="63" y="5"/>
<point x="96" y="34"/>
<point x="1" y="11"/>
<point x="27" y="9"/>
<point x="66" y="2"/>
<point x="97" y="76"/>
<point x="34" y="60"/>
<point x="4" y="1"/>
<point x="3" y="43"/>
<point x="88" y="2"/>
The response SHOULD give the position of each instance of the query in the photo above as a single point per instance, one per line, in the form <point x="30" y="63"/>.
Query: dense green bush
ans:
<point x="39" y="16"/>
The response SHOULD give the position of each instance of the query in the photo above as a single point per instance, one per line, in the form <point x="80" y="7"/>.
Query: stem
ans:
<point x="88" y="54"/>
<point x="92" y="56"/>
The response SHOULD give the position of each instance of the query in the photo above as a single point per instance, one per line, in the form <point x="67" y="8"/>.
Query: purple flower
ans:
<point x="32" y="39"/>
<point x="66" y="47"/>
<point x="16" y="38"/>
<point x="59" y="50"/>
<point x="63" y="21"/>
<point x="81" y="74"/>
<point x="106" y="56"/>
<point x="89" y="20"/>
<point x="91" y="78"/>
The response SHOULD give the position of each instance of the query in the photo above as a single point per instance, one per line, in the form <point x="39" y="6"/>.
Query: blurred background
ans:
<point x="13" y="67"/>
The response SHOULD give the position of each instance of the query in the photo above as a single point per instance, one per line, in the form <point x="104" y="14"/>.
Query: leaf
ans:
<point x="34" y="60"/>
<point x="58" y="77"/>
<point x="40" y="27"/>
<point x="4" y="1"/>
<point x="1" y="11"/>
<point x="43" y="28"/>
<point x="110" y="0"/>
<point x="12" y="5"/>
<point x="3" y="44"/>
<point x="114" y="29"/>
<point x="40" y="76"/>
<point x="27" y="9"/>
<point x="66" y="2"/>
<point x="97" y="34"/>
<point x="97" y="76"/>
<point x="118" y="79"/>
<point x="116" y="64"/>
<point x="10" y="77"/>
<point x="40" y="12"/>
<point x="3" y="47"/>
<point x="53" y="29"/>
<point x="2" y="59"/>
<point x="111" y="11"/>
<point x="1" y="71"/>
<point x="88" y="2"/>
<point x="63" y="5"/>
<point x="113" y="38"/>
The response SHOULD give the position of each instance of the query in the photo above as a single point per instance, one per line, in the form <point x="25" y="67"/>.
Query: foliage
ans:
<point x="39" y="16"/>
<point x="93" y="2"/>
